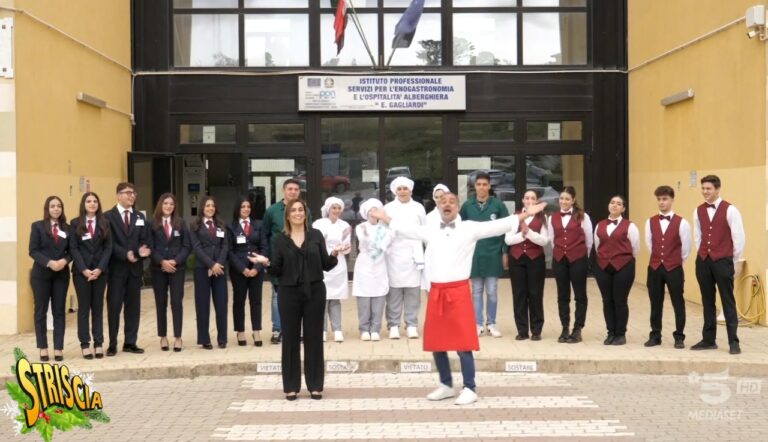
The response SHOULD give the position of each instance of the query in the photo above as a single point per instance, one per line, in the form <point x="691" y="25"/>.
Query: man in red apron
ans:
<point x="450" y="321"/>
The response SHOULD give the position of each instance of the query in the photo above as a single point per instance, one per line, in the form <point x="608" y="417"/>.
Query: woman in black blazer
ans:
<point x="90" y="244"/>
<point x="299" y="257"/>
<point x="170" y="243"/>
<point x="209" y="241"/>
<point x="246" y="236"/>
<point x="49" y="248"/>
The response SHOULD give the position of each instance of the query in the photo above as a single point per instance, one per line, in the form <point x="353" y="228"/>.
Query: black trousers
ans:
<point x="717" y="275"/>
<point x="162" y="284"/>
<point x="675" y="283"/>
<point x="207" y="287"/>
<point x="90" y="309"/>
<point x="527" y="277"/>
<point x="246" y="288"/>
<point x="569" y="274"/>
<point x="296" y="310"/>
<point x="49" y="287"/>
<point x="614" y="287"/>
<point x="124" y="290"/>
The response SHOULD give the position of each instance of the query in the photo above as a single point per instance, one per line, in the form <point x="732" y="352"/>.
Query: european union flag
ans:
<point x="406" y="27"/>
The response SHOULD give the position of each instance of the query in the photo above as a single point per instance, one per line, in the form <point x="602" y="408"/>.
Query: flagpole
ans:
<point x="356" y="22"/>
<point x="389" y="60"/>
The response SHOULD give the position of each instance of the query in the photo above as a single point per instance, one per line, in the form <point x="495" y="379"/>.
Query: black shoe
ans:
<point x="735" y="348"/>
<point x="316" y="396"/>
<point x="704" y="345"/>
<point x="679" y="342"/>
<point x="276" y="338"/>
<point x="164" y="347"/>
<point x="44" y="357"/>
<point x="59" y="358"/>
<point x="208" y="346"/>
<point x="256" y="342"/>
<point x="98" y="354"/>
<point x="652" y="342"/>
<point x="536" y="337"/>
<point x="243" y="342"/>
<point x="291" y="396"/>
<point x="619" y="340"/>
<point x="222" y="345"/>
<point x="111" y="350"/>
<point x="178" y="345"/>
<point x="564" y="335"/>
<point x="609" y="339"/>
<point x="521" y="337"/>
<point x="575" y="337"/>
<point x="88" y="355"/>
<point x="132" y="348"/>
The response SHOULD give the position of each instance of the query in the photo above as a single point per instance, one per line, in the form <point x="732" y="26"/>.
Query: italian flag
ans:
<point x="340" y="23"/>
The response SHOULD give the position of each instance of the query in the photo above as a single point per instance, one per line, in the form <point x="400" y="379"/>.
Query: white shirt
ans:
<point x="434" y="218"/>
<point x="684" y="231"/>
<point x="335" y="234"/>
<point x="405" y="256"/>
<point x="93" y="222"/>
<point x="449" y="253"/>
<point x="733" y="216"/>
<point x="632" y="234"/>
<point x="539" y="238"/>
<point x="371" y="272"/>
<point x="586" y="226"/>
<point x="122" y="210"/>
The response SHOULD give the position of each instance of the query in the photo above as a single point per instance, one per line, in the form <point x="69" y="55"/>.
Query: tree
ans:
<point x="431" y="52"/>
<point x="463" y="50"/>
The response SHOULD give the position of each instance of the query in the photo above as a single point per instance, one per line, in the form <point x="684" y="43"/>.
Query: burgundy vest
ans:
<point x="716" y="240"/>
<point x="527" y="247"/>
<point x="616" y="249"/>
<point x="569" y="241"/>
<point x="666" y="248"/>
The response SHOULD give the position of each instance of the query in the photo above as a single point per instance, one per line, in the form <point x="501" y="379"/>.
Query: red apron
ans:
<point x="450" y="321"/>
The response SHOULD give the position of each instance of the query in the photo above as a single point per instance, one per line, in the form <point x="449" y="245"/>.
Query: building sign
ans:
<point x="382" y="93"/>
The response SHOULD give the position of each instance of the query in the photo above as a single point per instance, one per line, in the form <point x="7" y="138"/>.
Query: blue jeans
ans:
<point x="490" y="283"/>
<point x="467" y="368"/>
<point x="275" y="312"/>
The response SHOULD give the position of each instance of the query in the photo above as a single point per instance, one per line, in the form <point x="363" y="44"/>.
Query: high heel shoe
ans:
<point x="44" y="357"/>
<point x="58" y="357"/>
<point x="316" y="395"/>
<point x="241" y="339"/>
<point x="257" y="339"/>
<point x="178" y="345"/>
<point x="88" y="355"/>
<point x="164" y="344"/>
<point x="291" y="396"/>
<point x="99" y="352"/>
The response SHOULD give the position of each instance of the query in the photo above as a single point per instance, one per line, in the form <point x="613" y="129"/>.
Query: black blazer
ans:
<point x="209" y="251"/>
<point x="122" y="242"/>
<point x="255" y="242"/>
<point x="295" y="266"/>
<point x="177" y="248"/>
<point x="89" y="254"/>
<point x="43" y="248"/>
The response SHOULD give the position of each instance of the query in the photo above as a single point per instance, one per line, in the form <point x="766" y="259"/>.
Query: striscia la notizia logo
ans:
<point x="51" y="396"/>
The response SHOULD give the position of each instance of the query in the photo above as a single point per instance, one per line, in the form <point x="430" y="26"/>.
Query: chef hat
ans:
<point x="400" y="181"/>
<point x="330" y="201"/>
<point x="369" y="204"/>
<point x="442" y="187"/>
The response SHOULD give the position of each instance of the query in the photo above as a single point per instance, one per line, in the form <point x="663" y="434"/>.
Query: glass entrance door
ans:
<point x="266" y="177"/>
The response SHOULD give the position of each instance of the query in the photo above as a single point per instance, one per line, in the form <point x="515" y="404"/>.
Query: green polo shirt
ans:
<point x="487" y="259"/>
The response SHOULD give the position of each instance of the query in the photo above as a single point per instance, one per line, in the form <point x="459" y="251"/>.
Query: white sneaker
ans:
<point x="325" y="336"/>
<point x="365" y="336"/>
<point x="375" y="337"/>
<point x="394" y="333"/>
<point x="441" y="392"/>
<point x="495" y="332"/>
<point x="338" y="336"/>
<point x="413" y="332"/>
<point x="479" y="330"/>
<point x="466" y="397"/>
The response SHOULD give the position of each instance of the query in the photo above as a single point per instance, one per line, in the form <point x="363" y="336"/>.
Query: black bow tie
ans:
<point x="613" y="221"/>
<point x="666" y="217"/>
<point x="451" y="225"/>
<point x="565" y="213"/>
<point x="712" y="206"/>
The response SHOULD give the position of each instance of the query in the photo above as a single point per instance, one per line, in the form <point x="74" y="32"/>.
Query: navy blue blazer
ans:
<point x="176" y="248"/>
<point x="43" y="247"/>
<point x="238" y="249"/>
<point x="90" y="253"/>
<point x="209" y="251"/>
<point x="122" y="242"/>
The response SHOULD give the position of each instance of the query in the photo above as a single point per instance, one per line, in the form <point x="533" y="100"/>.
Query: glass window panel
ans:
<point x="414" y="150"/>
<point x="276" y="133"/>
<point x="484" y="39"/>
<point x="553" y="3"/>
<point x="207" y="134"/>
<point x="554" y="130"/>
<point x="179" y="4"/>
<point x="276" y="3"/>
<point x="277" y="40"/>
<point x="483" y="3"/>
<point x="486" y="131"/>
<point x="353" y="53"/>
<point x="358" y="4"/>
<point x="426" y="47"/>
<point x="405" y="3"/>
<point x="555" y="38"/>
<point x="501" y="170"/>
<point x="266" y="177"/>
<point x="205" y="40"/>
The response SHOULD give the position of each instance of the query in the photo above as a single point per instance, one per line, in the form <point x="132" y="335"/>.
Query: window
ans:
<point x="486" y="131"/>
<point x="276" y="133"/>
<point x="212" y="4"/>
<point x="501" y="170"/>
<point x="207" y="134"/>
<point x="487" y="39"/>
<point x="426" y="47"/>
<point x="553" y="3"/>
<point x="483" y="3"/>
<point x="276" y="3"/>
<point x="555" y="38"/>
<point x="353" y="52"/>
<point x="276" y="40"/>
<point x="202" y="40"/>
<point x="413" y="147"/>
<point x="554" y="130"/>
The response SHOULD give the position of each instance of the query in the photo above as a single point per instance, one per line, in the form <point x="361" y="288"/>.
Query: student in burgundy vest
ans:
<point x="617" y="243"/>
<point x="719" y="236"/>
<point x="526" y="270"/>
<point x="570" y="232"/>
<point x="668" y="238"/>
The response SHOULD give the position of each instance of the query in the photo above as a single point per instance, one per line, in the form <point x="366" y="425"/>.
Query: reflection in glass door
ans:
<point x="501" y="170"/>
<point x="266" y="177"/>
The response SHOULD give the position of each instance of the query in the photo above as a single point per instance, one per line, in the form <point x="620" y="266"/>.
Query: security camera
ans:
<point x="751" y="33"/>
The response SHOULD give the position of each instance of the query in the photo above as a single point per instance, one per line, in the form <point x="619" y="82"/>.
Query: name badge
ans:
<point x="62" y="234"/>
<point x="219" y="234"/>
<point x="493" y="216"/>
<point x="241" y="239"/>
<point x="140" y="222"/>
<point x="176" y="233"/>
<point x="86" y="237"/>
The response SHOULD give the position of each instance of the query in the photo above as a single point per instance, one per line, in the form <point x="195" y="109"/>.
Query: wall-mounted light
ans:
<point x="678" y="97"/>
<point x="754" y="18"/>
<point x="90" y="99"/>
